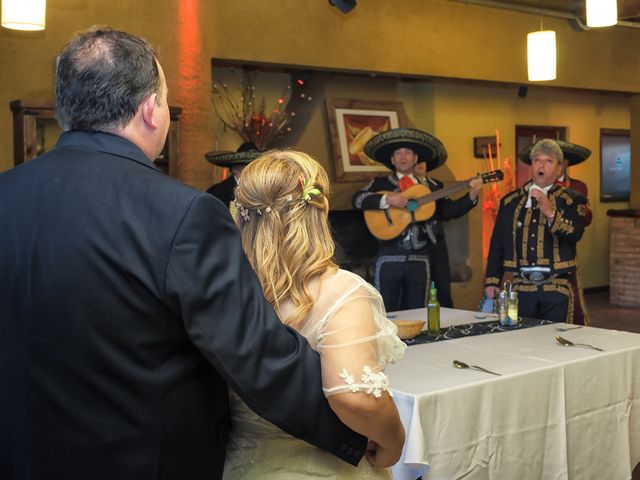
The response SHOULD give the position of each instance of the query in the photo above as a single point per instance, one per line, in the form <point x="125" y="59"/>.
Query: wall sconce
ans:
<point x="24" y="14"/>
<point x="602" y="13"/>
<point x="541" y="55"/>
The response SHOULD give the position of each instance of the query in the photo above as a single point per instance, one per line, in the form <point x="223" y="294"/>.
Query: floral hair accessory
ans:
<point x="308" y="189"/>
<point x="244" y="212"/>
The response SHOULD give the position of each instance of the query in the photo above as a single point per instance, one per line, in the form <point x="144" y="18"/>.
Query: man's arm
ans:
<point x="211" y="286"/>
<point x="496" y="255"/>
<point x="448" y="209"/>
<point x="367" y="198"/>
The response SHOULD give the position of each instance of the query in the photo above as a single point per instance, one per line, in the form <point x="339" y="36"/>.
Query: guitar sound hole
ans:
<point x="412" y="205"/>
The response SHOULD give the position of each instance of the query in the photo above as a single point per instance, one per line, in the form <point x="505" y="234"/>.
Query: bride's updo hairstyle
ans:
<point x="283" y="219"/>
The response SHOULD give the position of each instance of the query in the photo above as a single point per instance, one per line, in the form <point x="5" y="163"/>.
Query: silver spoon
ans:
<point x="568" y="343"/>
<point x="462" y="365"/>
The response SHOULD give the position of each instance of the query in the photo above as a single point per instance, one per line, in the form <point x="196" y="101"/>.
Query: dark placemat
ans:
<point x="472" y="329"/>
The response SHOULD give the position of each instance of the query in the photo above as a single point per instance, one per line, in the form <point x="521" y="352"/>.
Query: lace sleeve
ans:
<point x="356" y="342"/>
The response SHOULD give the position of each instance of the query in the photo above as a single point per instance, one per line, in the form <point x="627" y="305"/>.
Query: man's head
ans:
<point x="103" y="77"/>
<point x="420" y="170"/>
<point x="403" y="160"/>
<point x="546" y="162"/>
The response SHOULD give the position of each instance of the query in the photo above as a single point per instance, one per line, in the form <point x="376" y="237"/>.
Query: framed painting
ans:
<point x="352" y="123"/>
<point x="615" y="165"/>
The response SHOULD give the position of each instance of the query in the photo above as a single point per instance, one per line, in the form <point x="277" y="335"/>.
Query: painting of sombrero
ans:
<point x="353" y="123"/>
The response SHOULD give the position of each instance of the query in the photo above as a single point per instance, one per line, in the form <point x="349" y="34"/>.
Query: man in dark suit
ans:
<point x="126" y="303"/>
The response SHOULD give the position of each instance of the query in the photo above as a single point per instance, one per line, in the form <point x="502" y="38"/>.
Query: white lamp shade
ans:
<point x="541" y="55"/>
<point x="602" y="13"/>
<point x="24" y="14"/>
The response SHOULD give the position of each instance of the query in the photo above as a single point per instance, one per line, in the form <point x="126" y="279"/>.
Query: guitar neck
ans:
<point x="444" y="192"/>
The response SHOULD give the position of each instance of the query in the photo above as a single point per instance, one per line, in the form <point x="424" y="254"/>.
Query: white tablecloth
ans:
<point x="556" y="412"/>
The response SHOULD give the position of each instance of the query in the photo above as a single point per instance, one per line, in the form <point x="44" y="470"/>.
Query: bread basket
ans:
<point x="408" y="329"/>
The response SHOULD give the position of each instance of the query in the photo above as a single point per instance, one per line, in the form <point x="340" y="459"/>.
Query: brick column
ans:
<point x="624" y="258"/>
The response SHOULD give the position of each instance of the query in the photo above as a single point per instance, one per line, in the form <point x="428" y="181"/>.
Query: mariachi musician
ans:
<point x="417" y="254"/>
<point x="535" y="237"/>
<point x="235" y="162"/>
<point x="573" y="155"/>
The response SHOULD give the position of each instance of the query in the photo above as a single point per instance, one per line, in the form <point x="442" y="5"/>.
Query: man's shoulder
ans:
<point x="567" y="195"/>
<point x="508" y="198"/>
<point x="579" y="186"/>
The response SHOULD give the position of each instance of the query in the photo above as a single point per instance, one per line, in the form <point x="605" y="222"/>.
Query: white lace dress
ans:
<point x="349" y="328"/>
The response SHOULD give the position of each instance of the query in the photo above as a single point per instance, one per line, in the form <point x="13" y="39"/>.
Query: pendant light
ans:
<point x="24" y="14"/>
<point x="602" y="13"/>
<point x="541" y="55"/>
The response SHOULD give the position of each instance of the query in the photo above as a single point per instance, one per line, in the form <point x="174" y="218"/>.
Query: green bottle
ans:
<point x="433" y="311"/>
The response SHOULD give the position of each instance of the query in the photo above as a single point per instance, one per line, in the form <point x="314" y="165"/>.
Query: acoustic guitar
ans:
<point x="391" y="222"/>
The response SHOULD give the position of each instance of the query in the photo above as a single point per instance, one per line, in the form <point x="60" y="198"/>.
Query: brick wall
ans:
<point x="624" y="261"/>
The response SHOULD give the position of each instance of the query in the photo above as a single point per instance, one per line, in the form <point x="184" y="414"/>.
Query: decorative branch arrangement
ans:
<point x="248" y="118"/>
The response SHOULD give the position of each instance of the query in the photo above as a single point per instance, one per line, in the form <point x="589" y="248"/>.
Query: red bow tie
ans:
<point x="405" y="182"/>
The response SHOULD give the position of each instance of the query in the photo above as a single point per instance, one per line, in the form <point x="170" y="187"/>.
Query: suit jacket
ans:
<point x="126" y="306"/>
<point x="522" y="237"/>
<point x="580" y="187"/>
<point x="224" y="190"/>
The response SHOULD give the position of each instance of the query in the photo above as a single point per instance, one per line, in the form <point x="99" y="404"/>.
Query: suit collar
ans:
<point x="105" y="143"/>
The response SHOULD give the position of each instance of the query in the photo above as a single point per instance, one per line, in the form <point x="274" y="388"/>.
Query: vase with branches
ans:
<point x="247" y="117"/>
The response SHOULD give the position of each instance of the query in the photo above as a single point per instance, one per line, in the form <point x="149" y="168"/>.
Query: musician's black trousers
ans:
<point x="543" y="305"/>
<point x="402" y="279"/>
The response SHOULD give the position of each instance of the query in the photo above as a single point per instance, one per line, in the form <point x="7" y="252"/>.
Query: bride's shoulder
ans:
<point x="346" y="282"/>
<point x="343" y="277"/>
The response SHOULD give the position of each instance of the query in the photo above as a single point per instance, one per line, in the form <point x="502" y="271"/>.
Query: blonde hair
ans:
<point x="283" y="221"/>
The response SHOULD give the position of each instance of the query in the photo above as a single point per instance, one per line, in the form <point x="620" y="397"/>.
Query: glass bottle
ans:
<point x="513" y="308"/>
<point x="503" y="315"/>
<point x="433" y="311"/>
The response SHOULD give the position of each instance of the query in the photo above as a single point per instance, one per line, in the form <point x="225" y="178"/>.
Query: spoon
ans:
<point x="462" y="365"/>
<point x="568" y="343"/>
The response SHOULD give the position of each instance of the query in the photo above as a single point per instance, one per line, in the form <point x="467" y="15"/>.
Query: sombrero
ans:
<point x="428" y="148"/>
<point x="573" y="153"/>
<point x="246" y="153"/>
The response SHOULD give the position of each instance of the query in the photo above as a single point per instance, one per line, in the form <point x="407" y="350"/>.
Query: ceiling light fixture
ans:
<point x="24" y="14"/>
<point x="602" y="13"/>
<point x="541" y="55"/>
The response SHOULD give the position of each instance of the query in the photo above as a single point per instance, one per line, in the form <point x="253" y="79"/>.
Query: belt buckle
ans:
<point x="536" y="276"/>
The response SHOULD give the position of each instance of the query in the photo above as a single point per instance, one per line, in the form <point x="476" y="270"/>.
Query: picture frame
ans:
<point x="351" y="124"/>
<point x="481" y="146"/>
<point x="615" y="165"/>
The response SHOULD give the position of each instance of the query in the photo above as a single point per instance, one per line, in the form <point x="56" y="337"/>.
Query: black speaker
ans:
<point x="345" y="6"/>
<point x="522" y="91"/>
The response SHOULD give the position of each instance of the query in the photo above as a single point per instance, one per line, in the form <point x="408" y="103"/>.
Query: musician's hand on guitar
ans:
<point x="476" y="185"/>
<point x="396" y="200"/>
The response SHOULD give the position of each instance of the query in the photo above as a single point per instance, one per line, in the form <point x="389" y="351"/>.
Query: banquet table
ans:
<point x="554" y="413"/>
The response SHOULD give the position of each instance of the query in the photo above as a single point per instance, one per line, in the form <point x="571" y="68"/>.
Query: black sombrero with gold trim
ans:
<point x="573" y="153"/>
<point x="246" y="153"/>
<point x="428" y="148"/>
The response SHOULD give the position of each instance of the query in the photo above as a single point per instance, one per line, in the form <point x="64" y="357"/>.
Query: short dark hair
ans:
<point x="102" y="76"/>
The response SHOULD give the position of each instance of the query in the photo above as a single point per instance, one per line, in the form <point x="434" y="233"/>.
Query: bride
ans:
<point x="282" y="215"/>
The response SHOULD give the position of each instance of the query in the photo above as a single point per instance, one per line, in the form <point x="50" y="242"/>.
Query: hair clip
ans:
<point x="308" y="189"/>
